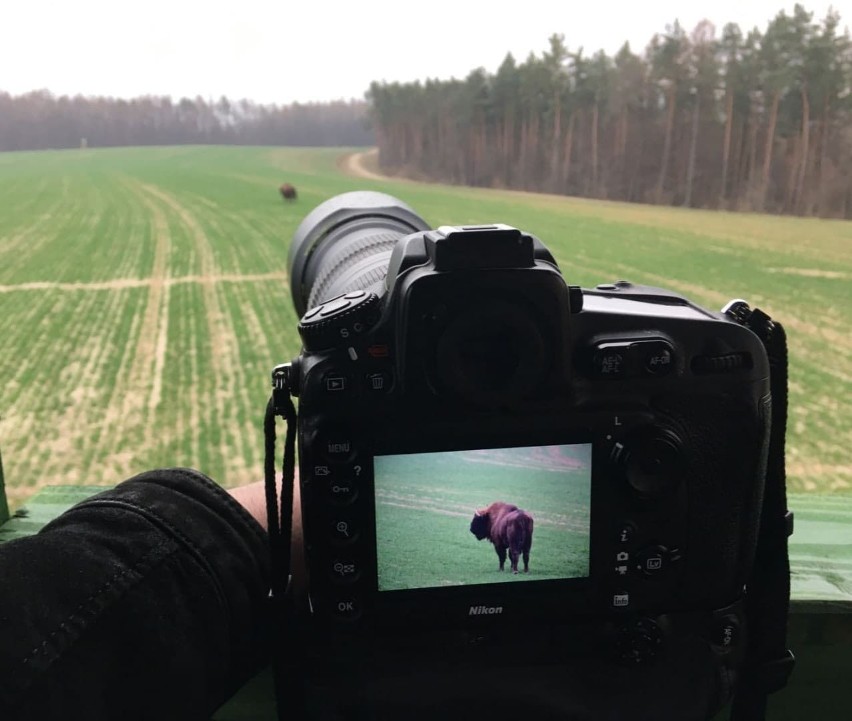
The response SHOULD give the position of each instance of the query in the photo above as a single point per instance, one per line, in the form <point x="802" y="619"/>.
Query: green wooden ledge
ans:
<point x="820" y="626"/>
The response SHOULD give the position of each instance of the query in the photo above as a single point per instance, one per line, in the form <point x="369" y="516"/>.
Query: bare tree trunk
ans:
<point x="508" y="147"/>
<point x="566" y="157"/>
<point x="822" y="157"/>
<point x="521" y="173"/>
<point x="693" y="145"/>
<point x="767" y="150"/>
<point x="726" y="145"/>
<point x="751" y="189"/>
<point x="555" y="145"/>
<point x="535" y="149"/>
<point x="792" y="174"/>
<point x="621" y="143"/>
<point x="803" y="167"/>
<point x="594" y="188"/>
<point x="667" y="145"/>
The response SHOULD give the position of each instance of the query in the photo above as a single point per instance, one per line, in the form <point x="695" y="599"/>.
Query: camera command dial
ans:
<point x="339" y="321"/>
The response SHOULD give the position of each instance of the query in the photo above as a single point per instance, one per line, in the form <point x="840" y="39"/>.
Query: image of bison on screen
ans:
<point x="453" y="386"/>
<point x="426" y="532"/>
<point x="509" y="528"/>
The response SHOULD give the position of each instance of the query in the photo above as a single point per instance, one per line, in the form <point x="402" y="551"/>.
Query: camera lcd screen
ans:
<point x="448" y="519"/>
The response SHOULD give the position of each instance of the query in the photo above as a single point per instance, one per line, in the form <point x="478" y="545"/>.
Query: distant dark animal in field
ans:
<point x="288" y="192"/>
<point x="509" y="529"/>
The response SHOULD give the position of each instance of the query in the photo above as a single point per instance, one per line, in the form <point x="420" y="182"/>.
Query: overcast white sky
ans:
<point x="311" y="50"/>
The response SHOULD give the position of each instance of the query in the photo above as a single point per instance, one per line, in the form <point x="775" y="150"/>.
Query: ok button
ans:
<point x="346" y="609"/>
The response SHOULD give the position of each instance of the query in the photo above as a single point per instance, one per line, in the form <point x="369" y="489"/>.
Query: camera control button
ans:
<point x="626" y="533"/>
<point x="345" y="609"/>
<point x="337" y="384"/>
<point x="726" y="634"/>
<point x="344" y="531"/>
<point x="312" y="313"/>
<point x="337" y="322"/>
<point x="334" y="307"/>
<point x="344" y="570"/>
<point x="656" y="357"/>
<point x="342" y="492"/>
<point x="610" y="361"/>
<point x="622" y="564"/>
<point x="654" y="469"/>
<point x="621" y="600"/>
<point x="378" y="382"/>
<point x="336" y="446"/>
<point x="656" y="561"/>
<point x="653" y="561"/>
<point x="639" y="642"/>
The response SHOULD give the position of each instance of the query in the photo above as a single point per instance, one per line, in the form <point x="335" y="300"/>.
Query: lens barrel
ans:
<point x="344" y="244"/>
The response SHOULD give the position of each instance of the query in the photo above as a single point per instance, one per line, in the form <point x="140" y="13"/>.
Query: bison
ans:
<point x="288" y="192"/>
<point x="508" y="528"/>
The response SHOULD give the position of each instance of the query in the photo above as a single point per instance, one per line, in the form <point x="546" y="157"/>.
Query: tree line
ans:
<point x="753" y="120"/>
<point x="40" y="120"/>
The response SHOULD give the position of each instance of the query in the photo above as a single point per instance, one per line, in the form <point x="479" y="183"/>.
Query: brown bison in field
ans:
<point x="508" y="528"/>
<point x="288" y="192"/>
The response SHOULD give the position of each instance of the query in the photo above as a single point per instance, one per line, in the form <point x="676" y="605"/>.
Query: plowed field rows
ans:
<point x="144" y="300"/>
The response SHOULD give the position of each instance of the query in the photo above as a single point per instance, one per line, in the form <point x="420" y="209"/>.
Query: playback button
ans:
<point x="336" y="384"/>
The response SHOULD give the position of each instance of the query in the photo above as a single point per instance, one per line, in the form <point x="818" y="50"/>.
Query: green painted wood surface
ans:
<point x="820" y="626"/>
<point x="820" y="548"/>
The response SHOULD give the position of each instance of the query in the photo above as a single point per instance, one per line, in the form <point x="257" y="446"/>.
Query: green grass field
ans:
<point x="144" y="300"/>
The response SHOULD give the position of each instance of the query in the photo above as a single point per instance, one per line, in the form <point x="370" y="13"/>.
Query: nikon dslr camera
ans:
<point x="518" y="496"/>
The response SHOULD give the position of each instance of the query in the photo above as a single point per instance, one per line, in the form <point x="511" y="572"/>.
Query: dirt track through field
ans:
<point x="355" y="164"/>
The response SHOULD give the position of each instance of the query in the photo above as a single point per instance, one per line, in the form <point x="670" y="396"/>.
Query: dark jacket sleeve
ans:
<point x="147" y="601"/>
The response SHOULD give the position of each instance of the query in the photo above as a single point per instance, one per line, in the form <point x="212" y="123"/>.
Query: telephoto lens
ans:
<point x="345" y="243"/>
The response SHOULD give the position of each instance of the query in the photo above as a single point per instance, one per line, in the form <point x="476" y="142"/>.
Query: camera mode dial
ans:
<point x="340" y="321"/>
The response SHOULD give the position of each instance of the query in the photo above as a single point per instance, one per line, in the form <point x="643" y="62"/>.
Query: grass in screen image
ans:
<point x="425" y="503"/>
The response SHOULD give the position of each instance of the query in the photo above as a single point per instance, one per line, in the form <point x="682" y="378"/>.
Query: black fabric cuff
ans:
<point x="148" y="600"/>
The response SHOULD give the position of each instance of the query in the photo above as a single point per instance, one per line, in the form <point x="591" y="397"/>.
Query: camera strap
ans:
<point x="279" y="515"/>
<point x="768" y="661"/>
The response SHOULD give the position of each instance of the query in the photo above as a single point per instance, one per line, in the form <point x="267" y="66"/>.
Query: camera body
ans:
<point x="626" y="427"/>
